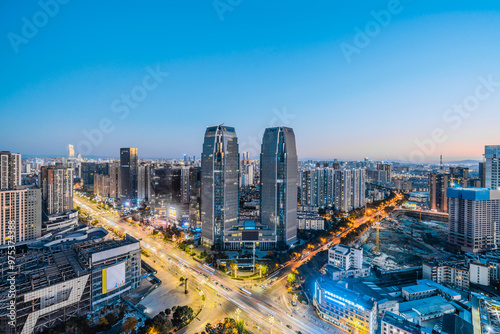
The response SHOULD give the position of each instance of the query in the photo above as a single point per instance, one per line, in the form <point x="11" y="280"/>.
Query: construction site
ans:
<point x="404" y="242"/>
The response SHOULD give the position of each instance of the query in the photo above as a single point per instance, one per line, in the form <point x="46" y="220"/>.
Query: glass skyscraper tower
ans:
<point x="220" y="184"/>
<point x="278" y="192"/>
<point x="128" y="173"/>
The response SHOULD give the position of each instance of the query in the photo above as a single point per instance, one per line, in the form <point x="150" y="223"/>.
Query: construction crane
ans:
<point x="377" y="247"/>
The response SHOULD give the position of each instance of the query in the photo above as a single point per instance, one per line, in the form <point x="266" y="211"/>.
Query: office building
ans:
<point x="438" y="183"/>
<point x="10" y="170"/>
<point x="220" y="184"/>
<point x="71" y="151"/>
<point x="20" y="214"/>
<point x="128" y="173"/>
<point x="278" y="177"/>
<point x="492" y="166"/>
<point x="57" y="189"/>
<point x="88" y="170"/>
<point x="474" y="221"/>
<point x="348" y="310"/>
<point x="176" y="194"/>
<point x="459" y="173"/>
<point x="56" y="283"/>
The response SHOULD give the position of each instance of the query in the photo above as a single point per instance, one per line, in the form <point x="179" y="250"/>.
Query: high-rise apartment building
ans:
<point x="220" y="184"/>
<point x="492" y="166"/>
<point x="278" y="176"/>
<point x="342" y="184"/>
<point x="20" y="214"/>
<point x="107" y="180"/>
<point x="57" y="189"/>
<point x="358" y="188"/>
<point x="144" y="182"/>
<point x="474" y="222"/>
<point x="387" y="168"/>
<point x="343" y="188"/>
<point x="128" y="173"/>
<point x="10" y="170"/>
<point x="438" y="183"/>
<point x="247" y="175"/>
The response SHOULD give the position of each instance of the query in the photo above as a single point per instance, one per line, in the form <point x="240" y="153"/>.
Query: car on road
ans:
<point x="288" y="326"/>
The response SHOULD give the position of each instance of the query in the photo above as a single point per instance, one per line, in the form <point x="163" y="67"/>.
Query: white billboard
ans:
<point x="113" y="277"/>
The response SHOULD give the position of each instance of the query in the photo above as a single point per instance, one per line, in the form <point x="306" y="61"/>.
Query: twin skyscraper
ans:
<point x="220" y="168"/>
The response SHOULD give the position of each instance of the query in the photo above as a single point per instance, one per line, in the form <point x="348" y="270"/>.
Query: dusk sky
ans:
<point x="351" y="80"/>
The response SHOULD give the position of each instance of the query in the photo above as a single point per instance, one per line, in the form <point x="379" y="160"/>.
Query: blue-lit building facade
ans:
<point x="278" y="176"/>
<point x="347" y="310"/>
<point x="220" y="184"/>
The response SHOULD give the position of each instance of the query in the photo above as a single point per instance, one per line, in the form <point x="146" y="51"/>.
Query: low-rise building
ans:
<point x="454" y="273"/>
<point x="347" y="310"/>
<point x="60" y="220"/>
<point x="422" y="310"/>
<point x="418" y="291"/>
<point x="309" y="219"/>
<point x="394" y="324"/>
<point x="345" y="261"/>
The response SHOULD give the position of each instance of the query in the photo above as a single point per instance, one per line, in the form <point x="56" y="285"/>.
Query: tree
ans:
<point x="263" y="269"/>
<point x="129" y="324"/>
<point x="182" y="315"/>
<point x="290" y="278"/>
<point x="181" y="279"/>
<point x="234" y="267"/>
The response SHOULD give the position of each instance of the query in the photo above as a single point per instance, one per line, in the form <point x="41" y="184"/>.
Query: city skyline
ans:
<point x="234" y="166"/>
<point x="343" y="98"/>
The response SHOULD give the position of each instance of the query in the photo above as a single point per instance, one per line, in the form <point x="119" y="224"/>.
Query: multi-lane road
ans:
<point x="224" y="295"/>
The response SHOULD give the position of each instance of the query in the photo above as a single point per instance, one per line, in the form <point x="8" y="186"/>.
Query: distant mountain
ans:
<point x="463" y="162"/>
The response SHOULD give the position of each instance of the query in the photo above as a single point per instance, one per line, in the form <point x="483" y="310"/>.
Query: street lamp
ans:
<point x="238" y="311"/>
<point x="271" y="321"/>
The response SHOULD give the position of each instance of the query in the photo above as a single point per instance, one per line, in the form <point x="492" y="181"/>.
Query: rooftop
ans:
<point x="401" y="323"/>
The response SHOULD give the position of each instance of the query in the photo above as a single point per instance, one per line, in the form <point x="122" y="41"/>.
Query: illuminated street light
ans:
<point x="271" y="321"/>
<point x="238" y="311"/>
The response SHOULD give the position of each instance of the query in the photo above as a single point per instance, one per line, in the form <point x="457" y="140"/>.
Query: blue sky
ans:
<point x="263" y="60"/>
